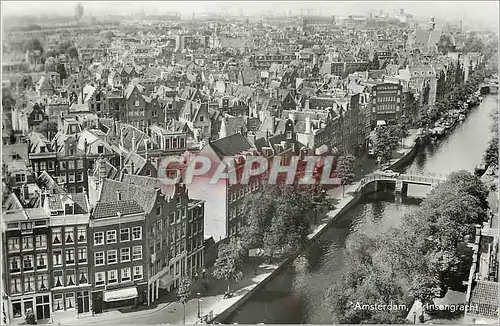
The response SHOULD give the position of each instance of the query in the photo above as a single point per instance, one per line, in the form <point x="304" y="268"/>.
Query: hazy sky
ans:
<point x="461" y="10"/>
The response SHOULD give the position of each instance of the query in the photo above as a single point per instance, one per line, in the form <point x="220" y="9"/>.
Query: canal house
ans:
<point x="116" y="229"/>
<point x="26" y="267"/>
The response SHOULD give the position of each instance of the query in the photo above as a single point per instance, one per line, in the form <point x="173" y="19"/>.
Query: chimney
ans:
<point x="306" y="105"/>
<point x="133" y="141"/>
<point x="308" y="125"/>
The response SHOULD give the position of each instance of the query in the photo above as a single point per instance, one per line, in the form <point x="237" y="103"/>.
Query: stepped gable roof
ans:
<point x="110" y="209"/>
<point x="484" y="295"/>
<point x="231" y="145"/>
<point x="145" y="197"/>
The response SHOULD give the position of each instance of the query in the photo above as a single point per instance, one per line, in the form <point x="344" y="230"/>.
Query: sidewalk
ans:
<point x="212" y="300"/>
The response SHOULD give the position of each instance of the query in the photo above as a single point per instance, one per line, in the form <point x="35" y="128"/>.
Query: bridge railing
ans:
<point x="430" y="178"/>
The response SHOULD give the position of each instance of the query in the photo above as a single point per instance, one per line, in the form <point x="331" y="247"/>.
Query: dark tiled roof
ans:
<point x="149" y="183"/>
<point x="231" y="145"/>
<point x="485" y="296"/>
<point x="110" y="209"/>
<point x="146" y="198"/>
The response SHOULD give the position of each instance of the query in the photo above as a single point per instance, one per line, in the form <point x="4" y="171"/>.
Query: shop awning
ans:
<point x="321" y="150"/>
<point x="121" y="294"/>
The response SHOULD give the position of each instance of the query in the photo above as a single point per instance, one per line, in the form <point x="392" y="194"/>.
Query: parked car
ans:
<point x="391" y="173"/>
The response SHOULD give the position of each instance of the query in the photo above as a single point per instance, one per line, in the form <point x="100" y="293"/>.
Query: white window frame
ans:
<point x="122" y="233"/>
<point x="103" y="276"/>
<point x="109" y="237"/>
<point x="135" y="228"/>
<point x="102" y="237"/>
<point x="123" y="251"/>
<point x="124" y="271"/>
<point x="110" y="273"/>
<point x="137" y="255"/>
<point x="138" y="271"/>
<point x="111" y="252"/>
<point x="99" y="253"/>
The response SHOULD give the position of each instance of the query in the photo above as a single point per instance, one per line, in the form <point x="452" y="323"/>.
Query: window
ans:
<point x="82" y="255"/>
<point x="58" y="302"/>
<point x="70" y="277"/>
<point x="69" y="235"/>
<point x="62" y="165"/>
<point x="56" y="236"/>
<point x="112" y="259"/>
<point x="71" y="165"/>
<point x="124" y="235"/>
<point x="100" y="149"/>
<point x="79" y="176"/>
<point x="137" y="272"/>
<point x="136" y="103"/>
<point x="27" y="243"/>
<point x="20" y="178"/>
<point x="82" y="234"/>
<point x="112" y="276"/>
<point x="137" y="233"/>
<point x="58" y="281"/>
<point x="79" y="164"/>
<point x="57" y="258"/>
<point x="99" y="258"/>
<point x="111" y="236"/>
<point x="41" y="261"/>
<point x="15" y="264"/>
<point x="27" y="263"/>
<point x="15" y="285"/>
<point x="42" y="282"/>
<point x="40" y="241"/>
<point x="158" y="210"/>
<point x="70" y="256"/>
<point x="29" y="283"/>
<point x="98" y="238"/>
<point x="13" y="244"/>
<point x="82" y="276"/>
<point x="99" y="278"/>
<point x="202" y="118"/>
<point x="124" y="254"/>
<point x="125" y="274"/>
<point x="137" y="252"/>
<point x="70" y="300"/>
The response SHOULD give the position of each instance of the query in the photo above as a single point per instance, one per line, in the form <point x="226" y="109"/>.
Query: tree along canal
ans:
<point x="296" y="295"/>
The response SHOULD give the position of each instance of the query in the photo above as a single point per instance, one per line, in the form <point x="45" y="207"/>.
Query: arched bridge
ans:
<point x="430" y="179"/>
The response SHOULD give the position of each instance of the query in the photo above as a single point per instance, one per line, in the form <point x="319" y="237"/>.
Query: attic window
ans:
<point x="100" y="149"/>
<point x="288" y="135"/>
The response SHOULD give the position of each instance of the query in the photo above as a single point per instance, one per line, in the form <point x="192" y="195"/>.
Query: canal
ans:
<point x="296" y="295"/>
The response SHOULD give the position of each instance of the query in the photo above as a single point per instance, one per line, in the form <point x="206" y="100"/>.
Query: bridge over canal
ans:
<point x="402" y="180"/>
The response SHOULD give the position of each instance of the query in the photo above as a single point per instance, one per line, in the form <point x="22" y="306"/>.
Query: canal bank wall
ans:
<point x="344" y="205"/>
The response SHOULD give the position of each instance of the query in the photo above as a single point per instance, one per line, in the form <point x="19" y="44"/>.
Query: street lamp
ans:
<point x="199" y="303"/>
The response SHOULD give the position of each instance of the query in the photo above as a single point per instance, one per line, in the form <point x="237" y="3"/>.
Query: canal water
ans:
<point x="296" y="295"/>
